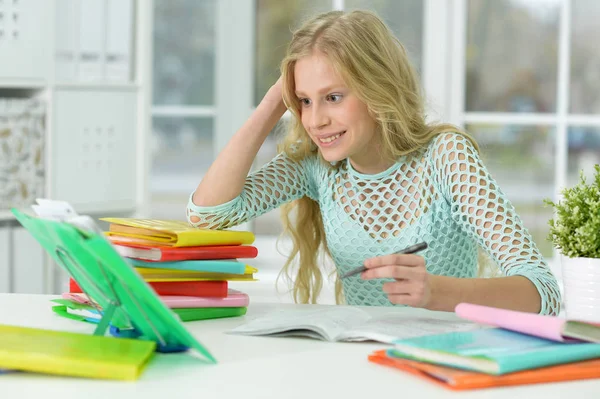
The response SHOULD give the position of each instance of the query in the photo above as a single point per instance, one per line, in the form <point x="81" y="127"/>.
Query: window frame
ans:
<point x="561" y="120"/>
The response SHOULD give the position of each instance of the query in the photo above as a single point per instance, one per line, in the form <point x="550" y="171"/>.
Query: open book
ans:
<point x="344" y="323"/>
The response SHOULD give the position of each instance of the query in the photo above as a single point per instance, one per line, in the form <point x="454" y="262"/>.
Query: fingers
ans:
<point x="395" y="259"/>
<point x="406" y="292"/>
<point x="395" y="272"/>
<point x="404" y="287"/>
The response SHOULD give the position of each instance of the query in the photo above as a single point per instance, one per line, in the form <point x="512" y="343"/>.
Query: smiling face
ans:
<point x="336" y="120"/>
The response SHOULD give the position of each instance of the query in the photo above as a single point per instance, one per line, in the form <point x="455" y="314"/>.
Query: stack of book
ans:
<point x="188" y="268"/>
<point x="512" y="348"/>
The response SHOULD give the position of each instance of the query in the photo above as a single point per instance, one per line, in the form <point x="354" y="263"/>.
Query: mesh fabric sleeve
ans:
<point x="279" y="181"/>
<point x="485" y="213"/>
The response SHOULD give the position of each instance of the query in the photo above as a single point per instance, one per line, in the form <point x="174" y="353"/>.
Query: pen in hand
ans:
<point x="410" y="250"/>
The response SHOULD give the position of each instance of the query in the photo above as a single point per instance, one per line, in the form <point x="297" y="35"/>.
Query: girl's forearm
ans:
<point x="514" y="293"/>
<point x="226" y="176"/>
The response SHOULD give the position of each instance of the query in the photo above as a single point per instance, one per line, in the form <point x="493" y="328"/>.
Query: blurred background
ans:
<point x="522" y="76"/>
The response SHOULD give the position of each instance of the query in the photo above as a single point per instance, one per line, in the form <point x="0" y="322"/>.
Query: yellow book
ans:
<point x="73" y="354"/>
<point x="174" y="233"/>
<point x="154" y="275"/>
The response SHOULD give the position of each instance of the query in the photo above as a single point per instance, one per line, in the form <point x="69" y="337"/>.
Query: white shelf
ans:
<point x="6" y="215"/>
<point x="22" y="84"/>
<point x="97" y="85"/>
<point x="106" y="209"/>
<point x="118" y="207"/>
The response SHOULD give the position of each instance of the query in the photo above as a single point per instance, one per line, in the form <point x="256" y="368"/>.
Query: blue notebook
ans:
<point x="492" y="350"/>
<point x="212" y="266"/>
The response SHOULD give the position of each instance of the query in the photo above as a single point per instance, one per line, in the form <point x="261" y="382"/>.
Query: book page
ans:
<point x="394" y="326"/>
<point x="327" y="323"/>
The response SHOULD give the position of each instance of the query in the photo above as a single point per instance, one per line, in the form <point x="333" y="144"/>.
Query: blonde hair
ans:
<point x="375" y="66"/>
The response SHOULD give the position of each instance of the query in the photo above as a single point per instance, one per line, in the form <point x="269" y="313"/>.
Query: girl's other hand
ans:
<point x="412" y="282"/>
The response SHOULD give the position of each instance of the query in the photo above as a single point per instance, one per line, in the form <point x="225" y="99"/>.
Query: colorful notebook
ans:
<point x="228" y="266"/>
<point x="549" y="327"/>
<point x="79" y="311"/>
<point x="165" y="254"/>
<point x="78" y="246"/>
<point x="233" y="299"/>
<point x="184" y="275"/>
<point x="179" y="288"/>
<point x="460" y="380"/>
<point x="492" y="350"/>
<point x="71" y="354"/>
<point x="174" y="233"/>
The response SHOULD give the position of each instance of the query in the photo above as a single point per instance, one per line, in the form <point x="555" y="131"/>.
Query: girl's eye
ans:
<point x="334" y="98"/>
<point x="304" y="102"/>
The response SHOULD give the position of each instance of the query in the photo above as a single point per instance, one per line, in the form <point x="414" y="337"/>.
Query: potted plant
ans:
<point x="575" y="232"/>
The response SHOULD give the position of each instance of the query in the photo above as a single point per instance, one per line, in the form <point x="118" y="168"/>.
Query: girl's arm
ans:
<point x="228" y="196"/>
<point x="226" y="176"/>
<point x="514" y="293"/>
<point x="482" y="209"/>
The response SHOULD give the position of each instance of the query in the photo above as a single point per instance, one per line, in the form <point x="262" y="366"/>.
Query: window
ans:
<point x="183" y="102"/>
<point x="521" y="160"/>
<point x="512" y="67"/>
<point x="522" y="76"/>
<point x="584" y="90"/>
<point x="531" y="83"/>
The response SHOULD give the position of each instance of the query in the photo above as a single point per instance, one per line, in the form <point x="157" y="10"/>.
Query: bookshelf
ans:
<point x="83" y="65"/>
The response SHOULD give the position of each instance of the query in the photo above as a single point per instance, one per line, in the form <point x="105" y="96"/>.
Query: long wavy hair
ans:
<point x="374" y="64"/>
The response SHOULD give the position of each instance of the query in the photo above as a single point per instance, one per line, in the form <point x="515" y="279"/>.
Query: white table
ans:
<point x="249" y="367"/>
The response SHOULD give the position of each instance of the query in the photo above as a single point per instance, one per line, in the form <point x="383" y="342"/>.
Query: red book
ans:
<point x="166" y="254"/>
<point x="215" y="288"/>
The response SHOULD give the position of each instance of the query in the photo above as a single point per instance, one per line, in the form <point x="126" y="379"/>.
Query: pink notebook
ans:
<point x="549" y="327"/>
<point x="234" y="299"/>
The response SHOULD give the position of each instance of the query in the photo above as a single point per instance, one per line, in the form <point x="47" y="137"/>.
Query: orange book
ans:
<point x="159" y="253"/>
<point x="460" y="380"/>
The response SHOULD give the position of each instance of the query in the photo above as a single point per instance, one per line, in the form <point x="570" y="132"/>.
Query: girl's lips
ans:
<point x="329" y="140"/>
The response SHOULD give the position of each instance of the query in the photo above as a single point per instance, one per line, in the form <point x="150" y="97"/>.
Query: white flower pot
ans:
<point x="581" y="280"/>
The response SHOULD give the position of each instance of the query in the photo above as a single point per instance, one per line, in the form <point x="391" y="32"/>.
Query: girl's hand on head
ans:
<point x="278" y="85"/>
<point x="275" y="93"/>
<point x="412" y="285"/>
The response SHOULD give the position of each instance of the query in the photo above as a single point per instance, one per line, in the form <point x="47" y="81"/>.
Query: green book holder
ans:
<point x="125" y="299"/>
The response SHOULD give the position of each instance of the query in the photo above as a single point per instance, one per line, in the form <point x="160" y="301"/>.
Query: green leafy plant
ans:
<point x="575" y="228"/>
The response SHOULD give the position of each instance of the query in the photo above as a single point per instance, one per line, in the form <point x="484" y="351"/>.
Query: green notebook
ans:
<point x="195" y="314"/>
<point x="83" y="312"/>
<point x="128" y="303"/>
<point x="492" y="350"/>
<point x="72" y="354"/>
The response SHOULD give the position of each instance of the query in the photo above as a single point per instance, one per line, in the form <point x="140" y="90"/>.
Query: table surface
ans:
<point x="251" y="367"/>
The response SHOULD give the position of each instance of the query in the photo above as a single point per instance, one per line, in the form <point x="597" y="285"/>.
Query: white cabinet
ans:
<point x="28" y="263"/>
<point x="5" y="264"/>
<point x="95" y="147"/>
<point x="22" y="261"/>
<point x="80" y="69"/>
<point x="118" y="48"/>
<point x="24" y="32"/>
<point x="94" y="40"/>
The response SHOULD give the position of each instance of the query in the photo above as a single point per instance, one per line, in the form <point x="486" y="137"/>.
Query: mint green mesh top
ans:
<point x="442" y="195"/>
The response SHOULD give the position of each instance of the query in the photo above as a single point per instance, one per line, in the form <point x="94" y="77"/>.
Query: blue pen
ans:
<point x="410" y="250"/>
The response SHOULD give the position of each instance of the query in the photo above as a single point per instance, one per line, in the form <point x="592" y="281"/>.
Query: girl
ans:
<point x="365" y="176"/>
